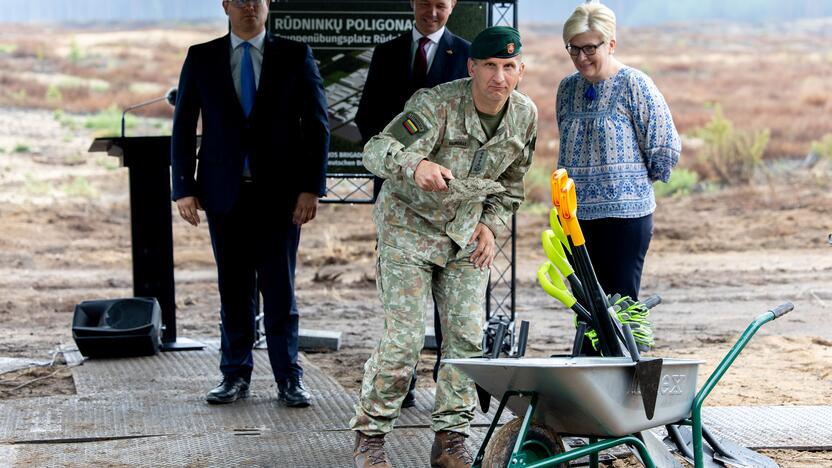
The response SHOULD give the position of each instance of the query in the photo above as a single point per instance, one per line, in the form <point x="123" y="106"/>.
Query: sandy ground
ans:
<point x="718" y="260"/>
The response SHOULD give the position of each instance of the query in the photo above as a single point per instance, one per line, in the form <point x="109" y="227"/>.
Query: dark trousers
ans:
<point x="255" y="246"/>
<point x="617" y="247"/>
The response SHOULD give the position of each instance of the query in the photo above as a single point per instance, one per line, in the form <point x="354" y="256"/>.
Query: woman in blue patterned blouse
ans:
<point x="616" y="138"/>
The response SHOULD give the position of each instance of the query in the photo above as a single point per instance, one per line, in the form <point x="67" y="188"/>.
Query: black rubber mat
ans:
<point x="798" y="427"/>
<point x="164" y="394"/>
<point x="115" y="414"/>
<point x="407" y="448"/>
<point x="186" y="371"/>
<point x="151" y="412"/>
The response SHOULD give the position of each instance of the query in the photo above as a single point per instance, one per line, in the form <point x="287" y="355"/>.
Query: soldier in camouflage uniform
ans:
<point x="481" y="131"/>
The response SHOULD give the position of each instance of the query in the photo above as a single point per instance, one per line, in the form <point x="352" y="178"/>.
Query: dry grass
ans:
<point x="93" y="70"/>
<point x="763" y="77"/>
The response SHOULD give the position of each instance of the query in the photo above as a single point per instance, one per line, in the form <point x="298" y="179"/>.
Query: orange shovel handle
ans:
<point x="569" y="212"/>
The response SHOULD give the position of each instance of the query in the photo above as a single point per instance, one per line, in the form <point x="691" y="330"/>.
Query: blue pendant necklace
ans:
<point x="590" y="93"/>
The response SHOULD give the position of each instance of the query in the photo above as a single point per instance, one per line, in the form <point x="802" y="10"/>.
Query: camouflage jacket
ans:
<point x="441" y="125"/>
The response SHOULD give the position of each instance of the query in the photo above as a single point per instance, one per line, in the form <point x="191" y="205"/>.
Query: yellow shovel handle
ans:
<point x="554" y="250"/>
<point x="547" y="276"/>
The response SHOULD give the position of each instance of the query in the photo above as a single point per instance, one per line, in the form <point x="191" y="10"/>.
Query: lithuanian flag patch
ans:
<point x="412" y="124"/>
<point x="408" y="128"/>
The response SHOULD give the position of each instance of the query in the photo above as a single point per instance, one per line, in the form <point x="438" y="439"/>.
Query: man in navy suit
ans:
<point x="262" y="167"/>
<point x="424" y="57"/>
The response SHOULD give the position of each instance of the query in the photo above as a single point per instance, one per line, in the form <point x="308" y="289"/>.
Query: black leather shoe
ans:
<point x="291" y="392"/>
<point x="409" y="399"/>
<point x="228" y="391"/>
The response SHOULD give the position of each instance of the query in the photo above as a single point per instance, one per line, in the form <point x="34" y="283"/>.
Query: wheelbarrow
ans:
<point x="597" y="398"/>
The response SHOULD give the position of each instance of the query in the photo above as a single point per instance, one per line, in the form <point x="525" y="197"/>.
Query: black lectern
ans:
<point x="148" y="162"/>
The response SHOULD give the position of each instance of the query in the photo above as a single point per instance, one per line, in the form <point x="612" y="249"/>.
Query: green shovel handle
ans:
<point x="554" y="251"/>
<point x="552" y="283"/>
<point x="554" y="223"/>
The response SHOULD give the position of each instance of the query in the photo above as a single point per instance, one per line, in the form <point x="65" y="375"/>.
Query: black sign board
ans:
<point x="342" y="35"/>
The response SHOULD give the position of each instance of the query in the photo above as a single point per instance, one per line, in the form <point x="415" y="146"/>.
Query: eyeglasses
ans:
<point x="244" y="3"/>
<point x="588" y="49"/>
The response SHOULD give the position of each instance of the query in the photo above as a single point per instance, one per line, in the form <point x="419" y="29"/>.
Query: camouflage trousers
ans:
<point x="405" y="282"/>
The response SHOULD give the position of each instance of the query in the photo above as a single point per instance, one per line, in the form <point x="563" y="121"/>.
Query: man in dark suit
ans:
<point x="424" y="57"/>
<point x="262" y="167"/>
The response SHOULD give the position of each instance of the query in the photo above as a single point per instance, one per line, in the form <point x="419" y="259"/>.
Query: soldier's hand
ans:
<point x="431" y="177"/>
<point x="483" y="255"/>
<point x="305" y="209"/>
<point x="188" y="207"/>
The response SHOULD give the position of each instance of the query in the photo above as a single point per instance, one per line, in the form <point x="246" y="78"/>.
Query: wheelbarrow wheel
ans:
<point x="541" y="443"/>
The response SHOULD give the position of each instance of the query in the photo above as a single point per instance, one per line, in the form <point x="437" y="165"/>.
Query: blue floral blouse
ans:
<point x="615" y="140"/>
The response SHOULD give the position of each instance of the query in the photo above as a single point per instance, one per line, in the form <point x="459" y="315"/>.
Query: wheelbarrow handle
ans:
<point x="782" y="310"/>
<point x="722" y="367"/>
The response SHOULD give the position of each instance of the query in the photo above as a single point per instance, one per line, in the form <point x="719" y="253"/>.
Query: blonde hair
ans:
<point x="592" y="16"/>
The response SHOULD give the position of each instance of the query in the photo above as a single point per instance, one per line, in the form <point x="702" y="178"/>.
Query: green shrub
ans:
<point x="107" y="123"/>
<point x="20" y="95"/>
<point x="823" y="147"/>
<point x="66" y="120"/>
<point x="35" y="186"/>
<point x="80" y="187"/>
<point x="98" y="86"/>
<point x="75" y="53"/>
<point x="535" y="208"/>
<point x="730" y="155"/>
<point x="682" y="182"/>
<point x="108" y="162"/>
<point x="76" y="159"/>
<point x="53" y="94"/>
<point x="536" y="181"/>
<point x="22" y="148"/>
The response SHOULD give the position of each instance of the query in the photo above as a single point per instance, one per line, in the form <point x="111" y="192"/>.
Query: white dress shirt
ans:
<point x="256" y="51"/>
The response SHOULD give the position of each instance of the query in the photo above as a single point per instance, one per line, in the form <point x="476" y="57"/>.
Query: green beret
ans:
<point x="496" y="41"/>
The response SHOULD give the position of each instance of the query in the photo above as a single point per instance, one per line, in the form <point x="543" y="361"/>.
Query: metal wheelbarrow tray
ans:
<point x="598" y="397"/>
<point x="588" y="396"/>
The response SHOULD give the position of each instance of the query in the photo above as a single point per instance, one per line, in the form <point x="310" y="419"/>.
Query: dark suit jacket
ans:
<point x="286" y="135"/>
<point x="388" y="85"/>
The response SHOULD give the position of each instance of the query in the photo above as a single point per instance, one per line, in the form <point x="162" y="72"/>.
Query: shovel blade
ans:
<point x="484" y="397"/>
<point x="649" y="375"/>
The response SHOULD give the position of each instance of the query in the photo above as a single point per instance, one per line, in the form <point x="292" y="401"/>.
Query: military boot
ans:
<point x="449" y="451"/>
<point x="369" y="451"/>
